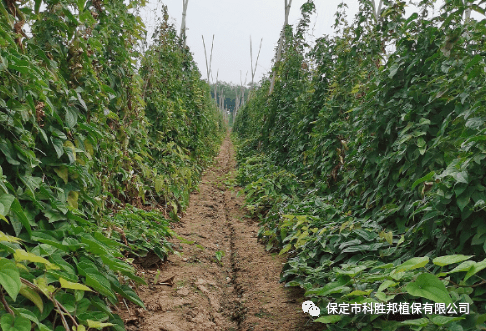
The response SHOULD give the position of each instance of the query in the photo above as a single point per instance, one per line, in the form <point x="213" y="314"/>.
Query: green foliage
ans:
<point x="378" y="161"/>
<point x="79" y="145"/>
<point x="231" y="92"/>
<point x="219" y="256"/>
<point x="142" y="231"/>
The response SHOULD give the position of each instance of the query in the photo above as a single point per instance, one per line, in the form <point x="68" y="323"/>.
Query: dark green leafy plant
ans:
<point x="385" y="153"/>
<point x="76" y="147"/>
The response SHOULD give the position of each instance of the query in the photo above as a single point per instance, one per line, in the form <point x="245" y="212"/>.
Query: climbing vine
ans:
<point x="367" y="169"/>
<point x="82" y="158"/>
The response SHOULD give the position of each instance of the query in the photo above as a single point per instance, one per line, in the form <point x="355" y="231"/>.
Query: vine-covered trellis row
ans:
<point x="91" y="132"/>
<point x="366" y="162"/>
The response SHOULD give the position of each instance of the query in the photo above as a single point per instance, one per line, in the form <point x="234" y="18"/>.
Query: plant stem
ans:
<point x="5" y="304"/>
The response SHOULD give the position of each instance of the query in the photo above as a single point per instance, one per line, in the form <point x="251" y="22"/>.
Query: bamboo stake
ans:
<point x="288" y="4"/>
<point x="253" y="72"/>
<point x="208" y="67"/>
<point x="183" y="24"/>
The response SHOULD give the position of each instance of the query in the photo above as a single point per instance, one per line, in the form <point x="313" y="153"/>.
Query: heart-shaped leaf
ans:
<point x="430" y="287"/>
<point x="11" y="323"/>
<point x="9" y="277"/>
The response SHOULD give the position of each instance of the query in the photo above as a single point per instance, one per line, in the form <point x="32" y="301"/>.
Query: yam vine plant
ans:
<point x="366" y="164"/>
<point x="95" y="138"/>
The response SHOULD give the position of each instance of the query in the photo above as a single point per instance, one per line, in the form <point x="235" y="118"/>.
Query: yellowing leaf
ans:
<point x="89" y="149"/>
<point x="359" y="293"/>
<point x="388" y="236"/>
<point x="62" y="172"/>
<point x="21" y="255"/>
<point x="70" y="145"/>
<point x="98" y="325"/>
<point x="285" y="249"/>
<point x="7" y="238"/>
<point x="73" y="286"/>
<point x="41" y="283"/>
<point x="33" y="296"/>
<point x="21" y="266"/>
<point x="73" y="199"/>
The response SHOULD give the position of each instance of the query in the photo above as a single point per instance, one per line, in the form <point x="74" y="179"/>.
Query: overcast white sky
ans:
<point x="233" y="22"/>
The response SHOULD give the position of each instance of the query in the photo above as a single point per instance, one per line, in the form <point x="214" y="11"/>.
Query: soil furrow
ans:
<point x="223" y="279"/>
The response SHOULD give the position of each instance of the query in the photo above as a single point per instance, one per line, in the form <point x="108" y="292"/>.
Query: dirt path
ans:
<point x="242" y="292"/>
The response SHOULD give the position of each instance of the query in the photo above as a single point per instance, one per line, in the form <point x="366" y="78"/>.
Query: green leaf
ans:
<point x="450" y="259"/>
<point x="81" y="4"/>
<point x="401" y="240"/>
<point x="463" y="200"/>
<point x="10" y="277"/>
<point x="219" y="255"/>
<point x="97" y="281"/>
<point x="413" y="263"/>
<point x="386" y="284"/>
<point x="71" y="118"/>
<point x="477" y="267"/>
<point x="126" y="292"/>
<point x="329" y="319"/>
<point x="32" y="183"/>
<point x="461" y="177"/>
<point x="18" y="211"/>
<point x="443" y="320"/>
<point x="383" y="297"/>
<point x="335" y="287"/>
<point x="73" y="286"/>
<point x="9" y="152"/>
<point x="430" y="287"/>
<point x="27" y="314"/>
<point x="463" y="267"/>
<point x="394" y="69"/>
<point x="33" y="296"/>
<point x="418" y="322"/>
<point x="18" y="323"/>
<point x="426" y="178"/>
<point x="6" y="201"/>
<point x="58" y="146"/>
<point x="474" y="61"/>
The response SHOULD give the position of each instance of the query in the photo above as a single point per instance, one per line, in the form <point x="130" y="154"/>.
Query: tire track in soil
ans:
<point x="194" y="291"/>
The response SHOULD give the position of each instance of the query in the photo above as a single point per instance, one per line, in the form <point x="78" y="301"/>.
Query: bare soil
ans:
<point x="196" y="291"/>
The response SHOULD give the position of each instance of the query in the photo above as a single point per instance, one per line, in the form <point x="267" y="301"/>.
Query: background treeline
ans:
<point x="366" y="163"/>
<point x="91" y="131"/>
<point x="234" y="96"/>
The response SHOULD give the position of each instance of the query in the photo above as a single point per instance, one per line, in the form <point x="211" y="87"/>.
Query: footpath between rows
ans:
<point x="223" y="279"/>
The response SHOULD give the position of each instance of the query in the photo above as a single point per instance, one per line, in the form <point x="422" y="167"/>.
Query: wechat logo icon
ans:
<point x="311" y="308"/>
